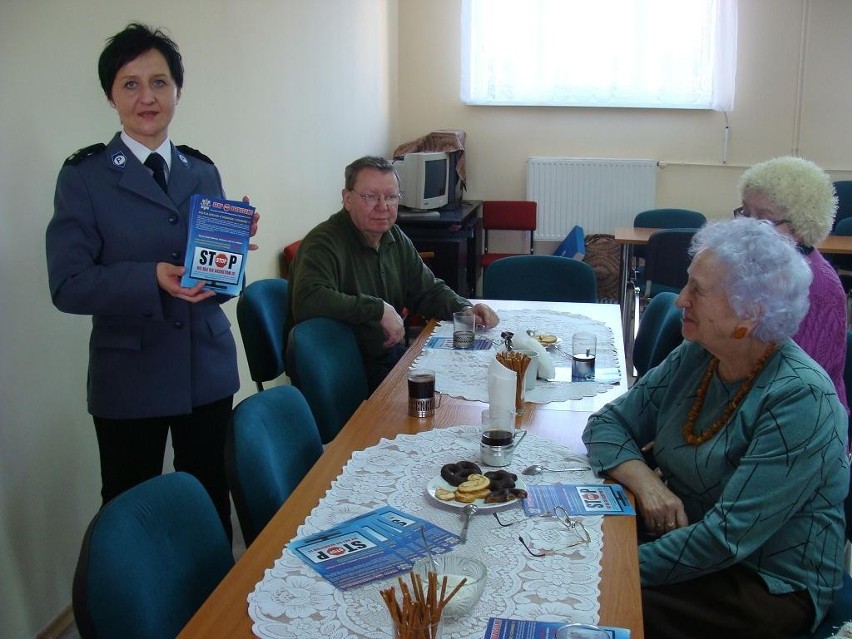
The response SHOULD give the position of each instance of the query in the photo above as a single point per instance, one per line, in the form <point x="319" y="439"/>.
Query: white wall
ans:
<point x="772" y="116"/>
<point x="282" y="94"/>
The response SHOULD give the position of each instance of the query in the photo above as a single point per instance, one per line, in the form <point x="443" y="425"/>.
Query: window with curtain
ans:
<point x="666" y="54"/>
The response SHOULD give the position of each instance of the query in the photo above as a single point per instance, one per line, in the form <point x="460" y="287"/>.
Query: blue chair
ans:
<point x="843" y="263"/>
<point x="262" y="316"/>
<point x="326" y="365"/>
<point x="843" y="190"/>
<point x="667" y="260"/>
<point x="665" y="219"/>
<point x="543" y="278"/>
<point x="149" y="559"/>
<point x="272" y="443"/>
<point x="659" y="332"/>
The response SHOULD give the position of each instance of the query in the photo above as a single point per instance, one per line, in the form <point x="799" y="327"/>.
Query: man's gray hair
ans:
<point x="367" y="162"/>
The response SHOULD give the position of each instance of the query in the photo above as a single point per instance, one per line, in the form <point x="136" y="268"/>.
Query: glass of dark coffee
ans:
<point x="499" y="438"/>
<point x="422" y="399"/>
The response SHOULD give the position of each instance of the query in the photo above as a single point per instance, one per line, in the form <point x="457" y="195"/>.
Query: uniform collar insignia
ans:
<point x="183" y="159"/>
<point x="119" y="159"/>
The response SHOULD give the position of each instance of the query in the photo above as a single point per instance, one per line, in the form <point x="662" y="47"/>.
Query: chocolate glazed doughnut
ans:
<point x="501" y="479"/>
<point x="458" y="472"/>
<point x="505" y="494"/>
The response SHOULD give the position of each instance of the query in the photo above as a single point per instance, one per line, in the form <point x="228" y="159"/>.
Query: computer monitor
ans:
<point x="424" y="179"/>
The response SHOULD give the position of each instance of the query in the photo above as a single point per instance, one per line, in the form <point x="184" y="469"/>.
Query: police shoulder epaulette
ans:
<point x="82" y="154"/>
<point x="188" y="150"/>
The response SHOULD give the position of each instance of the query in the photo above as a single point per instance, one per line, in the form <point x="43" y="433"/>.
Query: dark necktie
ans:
<point x="157" y="164"/>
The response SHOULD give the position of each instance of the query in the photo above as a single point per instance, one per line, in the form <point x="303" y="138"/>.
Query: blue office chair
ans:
<point x="843" y="190"/>
<point x="272" y="443"/>
<point x="659" y="332"/>
<point x="262" y="316"/>
<point x="149" y="559"/>
<point x="326" y="365"/>
<point x="543" y="278"/>
<point x="843" y="263"/>
<point x="666" y="262"/>
<point x="665" y="219"/>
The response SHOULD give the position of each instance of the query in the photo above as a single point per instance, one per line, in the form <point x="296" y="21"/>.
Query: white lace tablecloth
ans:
<point x="465" y="373"/>
<point x="294" y="601"/>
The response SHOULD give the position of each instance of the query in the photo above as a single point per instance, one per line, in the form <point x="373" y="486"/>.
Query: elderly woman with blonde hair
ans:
<point x="744" y="521"/>
<point x="798" y="198"/>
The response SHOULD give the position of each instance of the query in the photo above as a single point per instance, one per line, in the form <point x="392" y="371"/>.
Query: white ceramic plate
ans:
<point x="439" y="482"/>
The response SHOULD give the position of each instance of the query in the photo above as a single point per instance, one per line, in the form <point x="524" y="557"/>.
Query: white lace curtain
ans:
<point x="600" y="53"/>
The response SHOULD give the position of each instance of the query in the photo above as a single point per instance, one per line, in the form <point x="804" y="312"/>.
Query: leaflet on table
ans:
<point x="578" y="499"/>
<point x="217" y="244"/>
<point x="379" y="544"/>
<point x="500" y="628"/>
<point x="446" y="343"/>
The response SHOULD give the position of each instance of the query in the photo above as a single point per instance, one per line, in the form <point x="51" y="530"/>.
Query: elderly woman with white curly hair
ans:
<point x="744" y="520"/>
<point x="798" y="198"/>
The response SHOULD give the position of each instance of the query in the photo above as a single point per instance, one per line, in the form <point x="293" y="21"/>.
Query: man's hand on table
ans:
<point x="485" y="316"/>
<point x="392" y="326"/>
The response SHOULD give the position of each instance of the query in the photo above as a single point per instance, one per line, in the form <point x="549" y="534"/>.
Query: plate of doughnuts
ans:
<point x="464" y="483"/>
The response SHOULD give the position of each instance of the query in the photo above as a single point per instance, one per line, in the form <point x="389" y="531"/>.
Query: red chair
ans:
<point x="507" y="215"/>
<point x="285" y="259"/>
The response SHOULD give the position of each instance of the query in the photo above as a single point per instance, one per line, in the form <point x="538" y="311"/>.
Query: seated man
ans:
<point x="360" y="268"/>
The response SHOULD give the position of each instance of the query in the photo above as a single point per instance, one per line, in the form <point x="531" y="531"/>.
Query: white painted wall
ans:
<point x="282" y="94"/>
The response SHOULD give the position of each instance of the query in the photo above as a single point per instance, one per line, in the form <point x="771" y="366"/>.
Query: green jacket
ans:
<point x="337" y="274"/>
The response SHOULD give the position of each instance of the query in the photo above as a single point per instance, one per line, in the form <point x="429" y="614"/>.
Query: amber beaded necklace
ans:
<point x="689" y="435"/>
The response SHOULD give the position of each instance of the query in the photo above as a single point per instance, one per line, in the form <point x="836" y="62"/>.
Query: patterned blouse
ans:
<point x="767" y="491"/>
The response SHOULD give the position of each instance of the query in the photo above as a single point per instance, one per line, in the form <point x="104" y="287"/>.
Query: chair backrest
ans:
<point x="286" y="257"/>
<point x="666" y="219"/>
<point x="326" y="365"/>
<point x="262" y="316"/>
<point x="149" y="559"/>
<point x="667" y="260"/>
<point x="507" y="215"/>
<point x="843" y="227"/>
<point x="272" y="443"/>
<point x="659" y="332"/>
<point x="669" y="219"/>
<point x="544" y="278"/>
<point x="843" y="190"/>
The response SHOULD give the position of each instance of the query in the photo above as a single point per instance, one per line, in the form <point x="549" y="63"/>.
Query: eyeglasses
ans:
<point x="578" y="535"/>
<point x="741" y="212"/>
<point x="372" y="199"/>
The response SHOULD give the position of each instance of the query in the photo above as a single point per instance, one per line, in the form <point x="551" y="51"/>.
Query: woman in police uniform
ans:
<point x="161" y="356"/>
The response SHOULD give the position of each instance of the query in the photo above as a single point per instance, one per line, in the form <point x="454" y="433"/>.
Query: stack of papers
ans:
<point x="379" y="544"/>
<point x="578" y="499"/>
<point x="499" y="628"/>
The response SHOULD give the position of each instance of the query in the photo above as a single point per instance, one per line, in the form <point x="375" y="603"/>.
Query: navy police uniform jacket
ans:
<point x="150" y="354"/>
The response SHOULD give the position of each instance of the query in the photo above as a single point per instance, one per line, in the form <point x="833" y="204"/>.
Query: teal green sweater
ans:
<point x="337" y="274"/>
<point x="767" y="491"/>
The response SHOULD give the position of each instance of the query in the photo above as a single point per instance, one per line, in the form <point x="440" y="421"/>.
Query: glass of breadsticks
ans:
<point x="418" y="615"/>
<point x="518" y="362"/>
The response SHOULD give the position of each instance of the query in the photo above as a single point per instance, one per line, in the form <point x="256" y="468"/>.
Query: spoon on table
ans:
<point x="468" y="513"/>
<point x="535" y="469"/>
<point x="432" y="560"/>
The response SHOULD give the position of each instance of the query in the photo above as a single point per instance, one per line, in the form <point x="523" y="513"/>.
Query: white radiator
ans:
<point x="596" y="193"/>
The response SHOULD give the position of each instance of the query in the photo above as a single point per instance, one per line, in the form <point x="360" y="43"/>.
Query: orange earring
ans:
<point x="740" y="332"/>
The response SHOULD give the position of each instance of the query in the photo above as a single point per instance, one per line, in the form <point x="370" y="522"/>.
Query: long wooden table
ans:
<point x="385" y="414"/>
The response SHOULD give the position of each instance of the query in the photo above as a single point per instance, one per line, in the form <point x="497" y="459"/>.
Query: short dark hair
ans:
<point x="367" y="162"/>
<point x="129" y="44"/>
